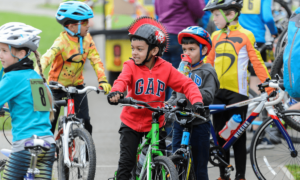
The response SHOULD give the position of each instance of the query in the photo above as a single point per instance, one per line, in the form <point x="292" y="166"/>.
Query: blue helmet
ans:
<point x="73" y="10"/>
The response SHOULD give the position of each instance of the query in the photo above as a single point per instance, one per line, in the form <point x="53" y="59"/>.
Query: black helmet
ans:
<point x="224" y="4"/>
<point x="152" y="31"/>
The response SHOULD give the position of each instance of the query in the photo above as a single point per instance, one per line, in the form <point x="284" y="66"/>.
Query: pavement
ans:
<point x="104" y="117"/>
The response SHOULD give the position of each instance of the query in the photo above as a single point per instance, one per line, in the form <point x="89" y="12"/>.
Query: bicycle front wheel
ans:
<point x="181" y="165"/>
<point x="273" y="161"/>
<point x="82" y="155"/>
<point x="163" y="169"/>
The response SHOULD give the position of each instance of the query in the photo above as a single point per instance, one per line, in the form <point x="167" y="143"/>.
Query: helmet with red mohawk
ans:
<point x="152" y="31"/>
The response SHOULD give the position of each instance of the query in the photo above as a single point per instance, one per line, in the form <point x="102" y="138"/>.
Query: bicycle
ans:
<point x="217" y="154"/>
<point x="75" y="147"/>
<point x="155" y="165"/>
<point x="182" y="157"/>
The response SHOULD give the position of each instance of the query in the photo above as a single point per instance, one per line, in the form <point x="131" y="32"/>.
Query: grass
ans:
<point x="98" y="8"/>
<point x="294" y="170"/>
<point x="50" y="31"/>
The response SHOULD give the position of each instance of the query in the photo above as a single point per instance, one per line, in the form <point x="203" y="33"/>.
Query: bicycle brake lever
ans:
<point x="135" y="106"/>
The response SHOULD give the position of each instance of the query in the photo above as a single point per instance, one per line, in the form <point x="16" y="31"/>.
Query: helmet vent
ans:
<point x="13" y="38"/>
<point x="63" y="10"/>
<point x="15" y="29"/>
<point x="76" y="13"/>
<point x="84" y="8"/>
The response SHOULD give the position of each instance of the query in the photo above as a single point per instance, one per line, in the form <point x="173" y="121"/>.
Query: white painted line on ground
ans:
<point x="287" y="173"/>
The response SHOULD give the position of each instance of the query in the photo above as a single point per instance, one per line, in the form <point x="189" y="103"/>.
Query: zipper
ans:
<point x="289" y="61"/>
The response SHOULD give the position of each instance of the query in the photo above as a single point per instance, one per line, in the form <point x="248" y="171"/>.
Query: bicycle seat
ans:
<point x="35" y="143"/>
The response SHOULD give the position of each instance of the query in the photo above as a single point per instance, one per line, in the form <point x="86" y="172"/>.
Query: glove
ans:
<point x="2" y="113"/>
<point x="105" y="86"/>
<point x="199" y="108"/>
<point x="113" y="94"/>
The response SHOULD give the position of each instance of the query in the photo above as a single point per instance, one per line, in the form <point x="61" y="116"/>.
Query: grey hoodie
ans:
<point x="207" y="81"/>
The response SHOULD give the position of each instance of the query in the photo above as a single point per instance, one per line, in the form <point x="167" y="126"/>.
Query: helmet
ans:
<point x="73" y="10"/>
<point x="223" y="4"/>
<point x="199" y="34"/>
<point x="20" y="35"/>
<point x="152" y="31"/>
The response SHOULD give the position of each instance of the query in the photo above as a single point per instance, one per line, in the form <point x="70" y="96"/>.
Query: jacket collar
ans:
<point x="26" y="63"/>
<point x="234" y="27"/>
<point x="71" y="38"/>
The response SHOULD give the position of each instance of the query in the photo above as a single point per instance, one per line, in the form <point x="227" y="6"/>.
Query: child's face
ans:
<point x="139" y="51"/>
<point x="218" y="19"/>
<point x="85" y="25"/>
<point x="6" y="58"/>
<point x="193" y="51"/>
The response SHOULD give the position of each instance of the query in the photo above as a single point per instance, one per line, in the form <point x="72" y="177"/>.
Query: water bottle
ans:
<point x="141" y="160"/>
<point x="230" y="126"/>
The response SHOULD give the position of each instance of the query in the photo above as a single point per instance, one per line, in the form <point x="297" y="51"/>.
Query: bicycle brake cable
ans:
<point x="3" y="130"/>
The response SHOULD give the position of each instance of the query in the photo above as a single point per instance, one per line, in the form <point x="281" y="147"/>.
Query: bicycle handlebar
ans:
<point x="72" y="89"/>
<point x="131" y="102"/>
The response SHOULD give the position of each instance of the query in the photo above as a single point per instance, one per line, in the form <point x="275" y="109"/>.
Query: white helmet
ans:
<point x="20" y="35"/>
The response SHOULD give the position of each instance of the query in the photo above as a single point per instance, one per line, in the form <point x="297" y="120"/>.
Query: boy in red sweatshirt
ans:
<point x="146" y="77"/>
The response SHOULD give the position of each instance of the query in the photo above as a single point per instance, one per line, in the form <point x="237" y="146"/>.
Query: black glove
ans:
<point x="199" y="108"/>
<point x="2" y="112"/>
<point x="112" y="94"/>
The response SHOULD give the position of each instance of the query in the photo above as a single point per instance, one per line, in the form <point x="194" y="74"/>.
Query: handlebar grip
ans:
<point x="217" y="107"/>
<point x="53" y="83"/>
<point x="125" y="101"/>
<point x="281" y="86"/>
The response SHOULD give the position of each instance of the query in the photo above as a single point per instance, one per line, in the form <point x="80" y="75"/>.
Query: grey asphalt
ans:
<point x="104" y="117"/>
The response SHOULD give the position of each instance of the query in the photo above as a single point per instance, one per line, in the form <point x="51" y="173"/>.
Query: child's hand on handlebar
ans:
<point x="113" y="97"/>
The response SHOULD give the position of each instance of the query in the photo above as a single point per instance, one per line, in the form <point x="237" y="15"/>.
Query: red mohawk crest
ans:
<point x="145" y="20"/>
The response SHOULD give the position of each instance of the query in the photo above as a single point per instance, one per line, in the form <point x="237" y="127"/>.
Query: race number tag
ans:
<point x="39" y="94"/>
<point x="251" y="7"/>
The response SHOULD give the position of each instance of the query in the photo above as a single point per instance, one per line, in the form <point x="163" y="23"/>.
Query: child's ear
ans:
<point x="204" y="51"/>
<point x="154" y="51"/>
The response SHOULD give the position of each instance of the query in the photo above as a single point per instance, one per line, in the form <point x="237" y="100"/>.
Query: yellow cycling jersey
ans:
<point x="230" y="56"/>
<point x="67" y="63"/>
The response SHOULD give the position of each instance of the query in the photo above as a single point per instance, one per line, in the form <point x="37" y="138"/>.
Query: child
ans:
<point x="146" y="77"/>
<point x="68" y="55"/>
<point x="196" y="43"/>
<point x="232" y="48"/>
<point x="17" y="41"/>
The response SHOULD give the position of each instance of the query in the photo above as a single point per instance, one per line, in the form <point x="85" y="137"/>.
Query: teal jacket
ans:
<point x="15" y="89"/>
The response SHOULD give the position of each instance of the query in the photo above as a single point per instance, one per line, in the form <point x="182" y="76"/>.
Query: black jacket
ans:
<point x="207" y="81"/>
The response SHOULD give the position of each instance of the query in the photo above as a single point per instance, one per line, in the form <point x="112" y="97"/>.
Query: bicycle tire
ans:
<point x="280" y="43"/>
<point x="64" y="171"/>
<point x="269" y="164"/>
<point x="181" y="164"/>
<point x="277" y="66"/>
<point x="288" y="119"/>
<point x="169" y="166"/>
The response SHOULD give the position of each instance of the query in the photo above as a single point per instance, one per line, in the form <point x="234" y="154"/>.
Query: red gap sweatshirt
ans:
<point x="148" y="85"/>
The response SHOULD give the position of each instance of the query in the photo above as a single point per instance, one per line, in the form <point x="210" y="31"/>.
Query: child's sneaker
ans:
<point x="265" y="144"/>
<point x="223" y="179"/>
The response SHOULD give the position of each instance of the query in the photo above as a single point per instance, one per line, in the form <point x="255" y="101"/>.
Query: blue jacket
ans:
<point x="15" y="89"/>
<point x="256" y="22"/>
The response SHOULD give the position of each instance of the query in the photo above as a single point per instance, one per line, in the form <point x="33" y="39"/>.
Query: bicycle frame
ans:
<point x="261" y="101"/>
<point x="65" y="131"/>
<point x="153" y="148"/>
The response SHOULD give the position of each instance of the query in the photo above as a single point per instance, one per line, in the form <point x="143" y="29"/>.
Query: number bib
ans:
<point x="39" y="95"/>
<point x="251" y="7"/>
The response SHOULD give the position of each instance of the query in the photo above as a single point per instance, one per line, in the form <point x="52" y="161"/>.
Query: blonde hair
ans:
<point x="37" y="56"/>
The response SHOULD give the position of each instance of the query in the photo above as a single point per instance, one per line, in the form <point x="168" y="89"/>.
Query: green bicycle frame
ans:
<point x="152" y="150"/>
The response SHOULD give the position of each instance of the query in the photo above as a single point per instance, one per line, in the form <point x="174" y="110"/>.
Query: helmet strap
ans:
<point x="16" y="56"/>
<point x="201" y="57"/>
<point x="78" y="35"/>
<point x="224" y="30"/>
<point x="146" y="60"/>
